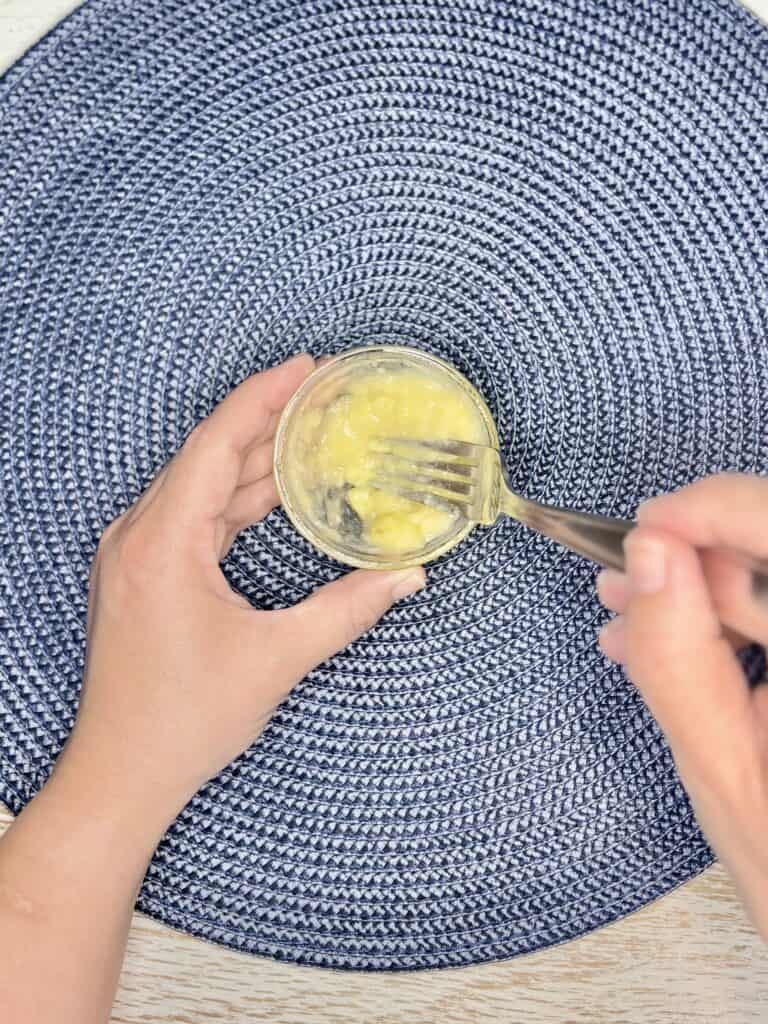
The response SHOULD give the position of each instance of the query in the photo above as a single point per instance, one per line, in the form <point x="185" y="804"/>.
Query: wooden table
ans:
<point x="690" y="957"/>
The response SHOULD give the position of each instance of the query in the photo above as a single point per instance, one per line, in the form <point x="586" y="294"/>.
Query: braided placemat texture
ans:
<point x="568" y="201"/>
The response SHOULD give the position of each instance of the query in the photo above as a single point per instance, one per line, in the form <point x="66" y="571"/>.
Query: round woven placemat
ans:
<point x="568" y="201"/>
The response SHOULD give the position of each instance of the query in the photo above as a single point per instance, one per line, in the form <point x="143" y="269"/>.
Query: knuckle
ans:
<point x="108" y="539"/>
<point x="712" y="485"/>
<point x="208" y="443"/>
<point x="135" y="558"/>
<point x="198" y="436"/>
<point x="363" y="615"/>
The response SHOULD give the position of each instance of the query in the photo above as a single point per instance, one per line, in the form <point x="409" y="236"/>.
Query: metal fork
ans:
<point x="471" y="480"/>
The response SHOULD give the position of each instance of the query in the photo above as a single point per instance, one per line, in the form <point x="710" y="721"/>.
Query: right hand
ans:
<point x="673" y="602"/>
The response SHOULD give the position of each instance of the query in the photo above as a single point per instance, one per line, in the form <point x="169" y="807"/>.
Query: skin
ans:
<point x="181" y="676"/>
<point x="672" y="605"/>
<point x="163" y="623"/>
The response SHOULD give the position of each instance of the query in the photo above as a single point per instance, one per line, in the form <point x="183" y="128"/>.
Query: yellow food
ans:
<point x="341" y="452"/>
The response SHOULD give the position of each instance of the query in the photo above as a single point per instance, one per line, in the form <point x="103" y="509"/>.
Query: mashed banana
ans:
<point x="340" y="460"/>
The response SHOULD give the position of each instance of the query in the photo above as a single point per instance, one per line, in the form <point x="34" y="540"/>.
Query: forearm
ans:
<point x="737" y="828"/>
<point x="70" y="868"/>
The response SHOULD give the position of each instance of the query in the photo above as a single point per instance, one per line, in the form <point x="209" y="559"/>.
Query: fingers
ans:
<point x="258" y="462"/>
<point x="725" y="511"/>
<point x="730" y="585"/>
<point x="722" y="514"/>
<point x="256" y="494"/>
<point x="676" y="653"/>
<point x="250" y="504"/>
<point x="203" y="476"/>
<point x="221" y="479"/>
<point x="246" y="413"/>
<point x="613" y="590"/>
<point x="613" y="639"/>
<point x="339" y="613"/>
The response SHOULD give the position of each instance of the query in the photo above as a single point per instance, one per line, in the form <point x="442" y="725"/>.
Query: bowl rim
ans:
<point x="304" y="525"/>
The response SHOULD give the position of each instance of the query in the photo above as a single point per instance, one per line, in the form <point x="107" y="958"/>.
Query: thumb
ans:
<point x="340" y="612"/>
<point x="678" y="656"/>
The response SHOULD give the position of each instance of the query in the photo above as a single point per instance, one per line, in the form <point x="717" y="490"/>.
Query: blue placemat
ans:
<point x="568" y="200"/>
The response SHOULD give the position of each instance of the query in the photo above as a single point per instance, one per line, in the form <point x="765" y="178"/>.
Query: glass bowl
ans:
<point x="325" y="384"/>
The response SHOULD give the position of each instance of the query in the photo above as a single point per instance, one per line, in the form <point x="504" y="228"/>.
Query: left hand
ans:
<point x="182" y="673"/>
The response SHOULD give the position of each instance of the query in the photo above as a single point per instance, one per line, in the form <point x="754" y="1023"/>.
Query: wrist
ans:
<point x="119" y="797"/>
<point x="83" y="841"/>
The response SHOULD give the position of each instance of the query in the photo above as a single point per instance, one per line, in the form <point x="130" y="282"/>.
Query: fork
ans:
<point x="471" y="480"/>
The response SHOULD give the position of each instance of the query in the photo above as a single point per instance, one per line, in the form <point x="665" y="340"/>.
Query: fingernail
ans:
<point x="407" y="582"/>
<point x="646" y="564"/>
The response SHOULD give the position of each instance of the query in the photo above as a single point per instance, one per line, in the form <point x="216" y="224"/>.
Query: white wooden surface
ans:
<point x="691" y="957"/>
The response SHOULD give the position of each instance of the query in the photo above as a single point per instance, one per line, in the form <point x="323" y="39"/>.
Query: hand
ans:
<point x="182" y="673"/>
<point x="679" y="590"/>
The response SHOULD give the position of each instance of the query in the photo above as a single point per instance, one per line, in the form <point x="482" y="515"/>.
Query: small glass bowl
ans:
<point x="319" y="390"/>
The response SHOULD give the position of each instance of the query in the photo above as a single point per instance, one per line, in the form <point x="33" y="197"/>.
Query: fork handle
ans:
<point x="600" y="538"/>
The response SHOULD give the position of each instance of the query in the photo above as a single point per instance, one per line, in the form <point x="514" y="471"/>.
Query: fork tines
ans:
<point x="461" y="449"/>
<point x="446" y="481"/>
